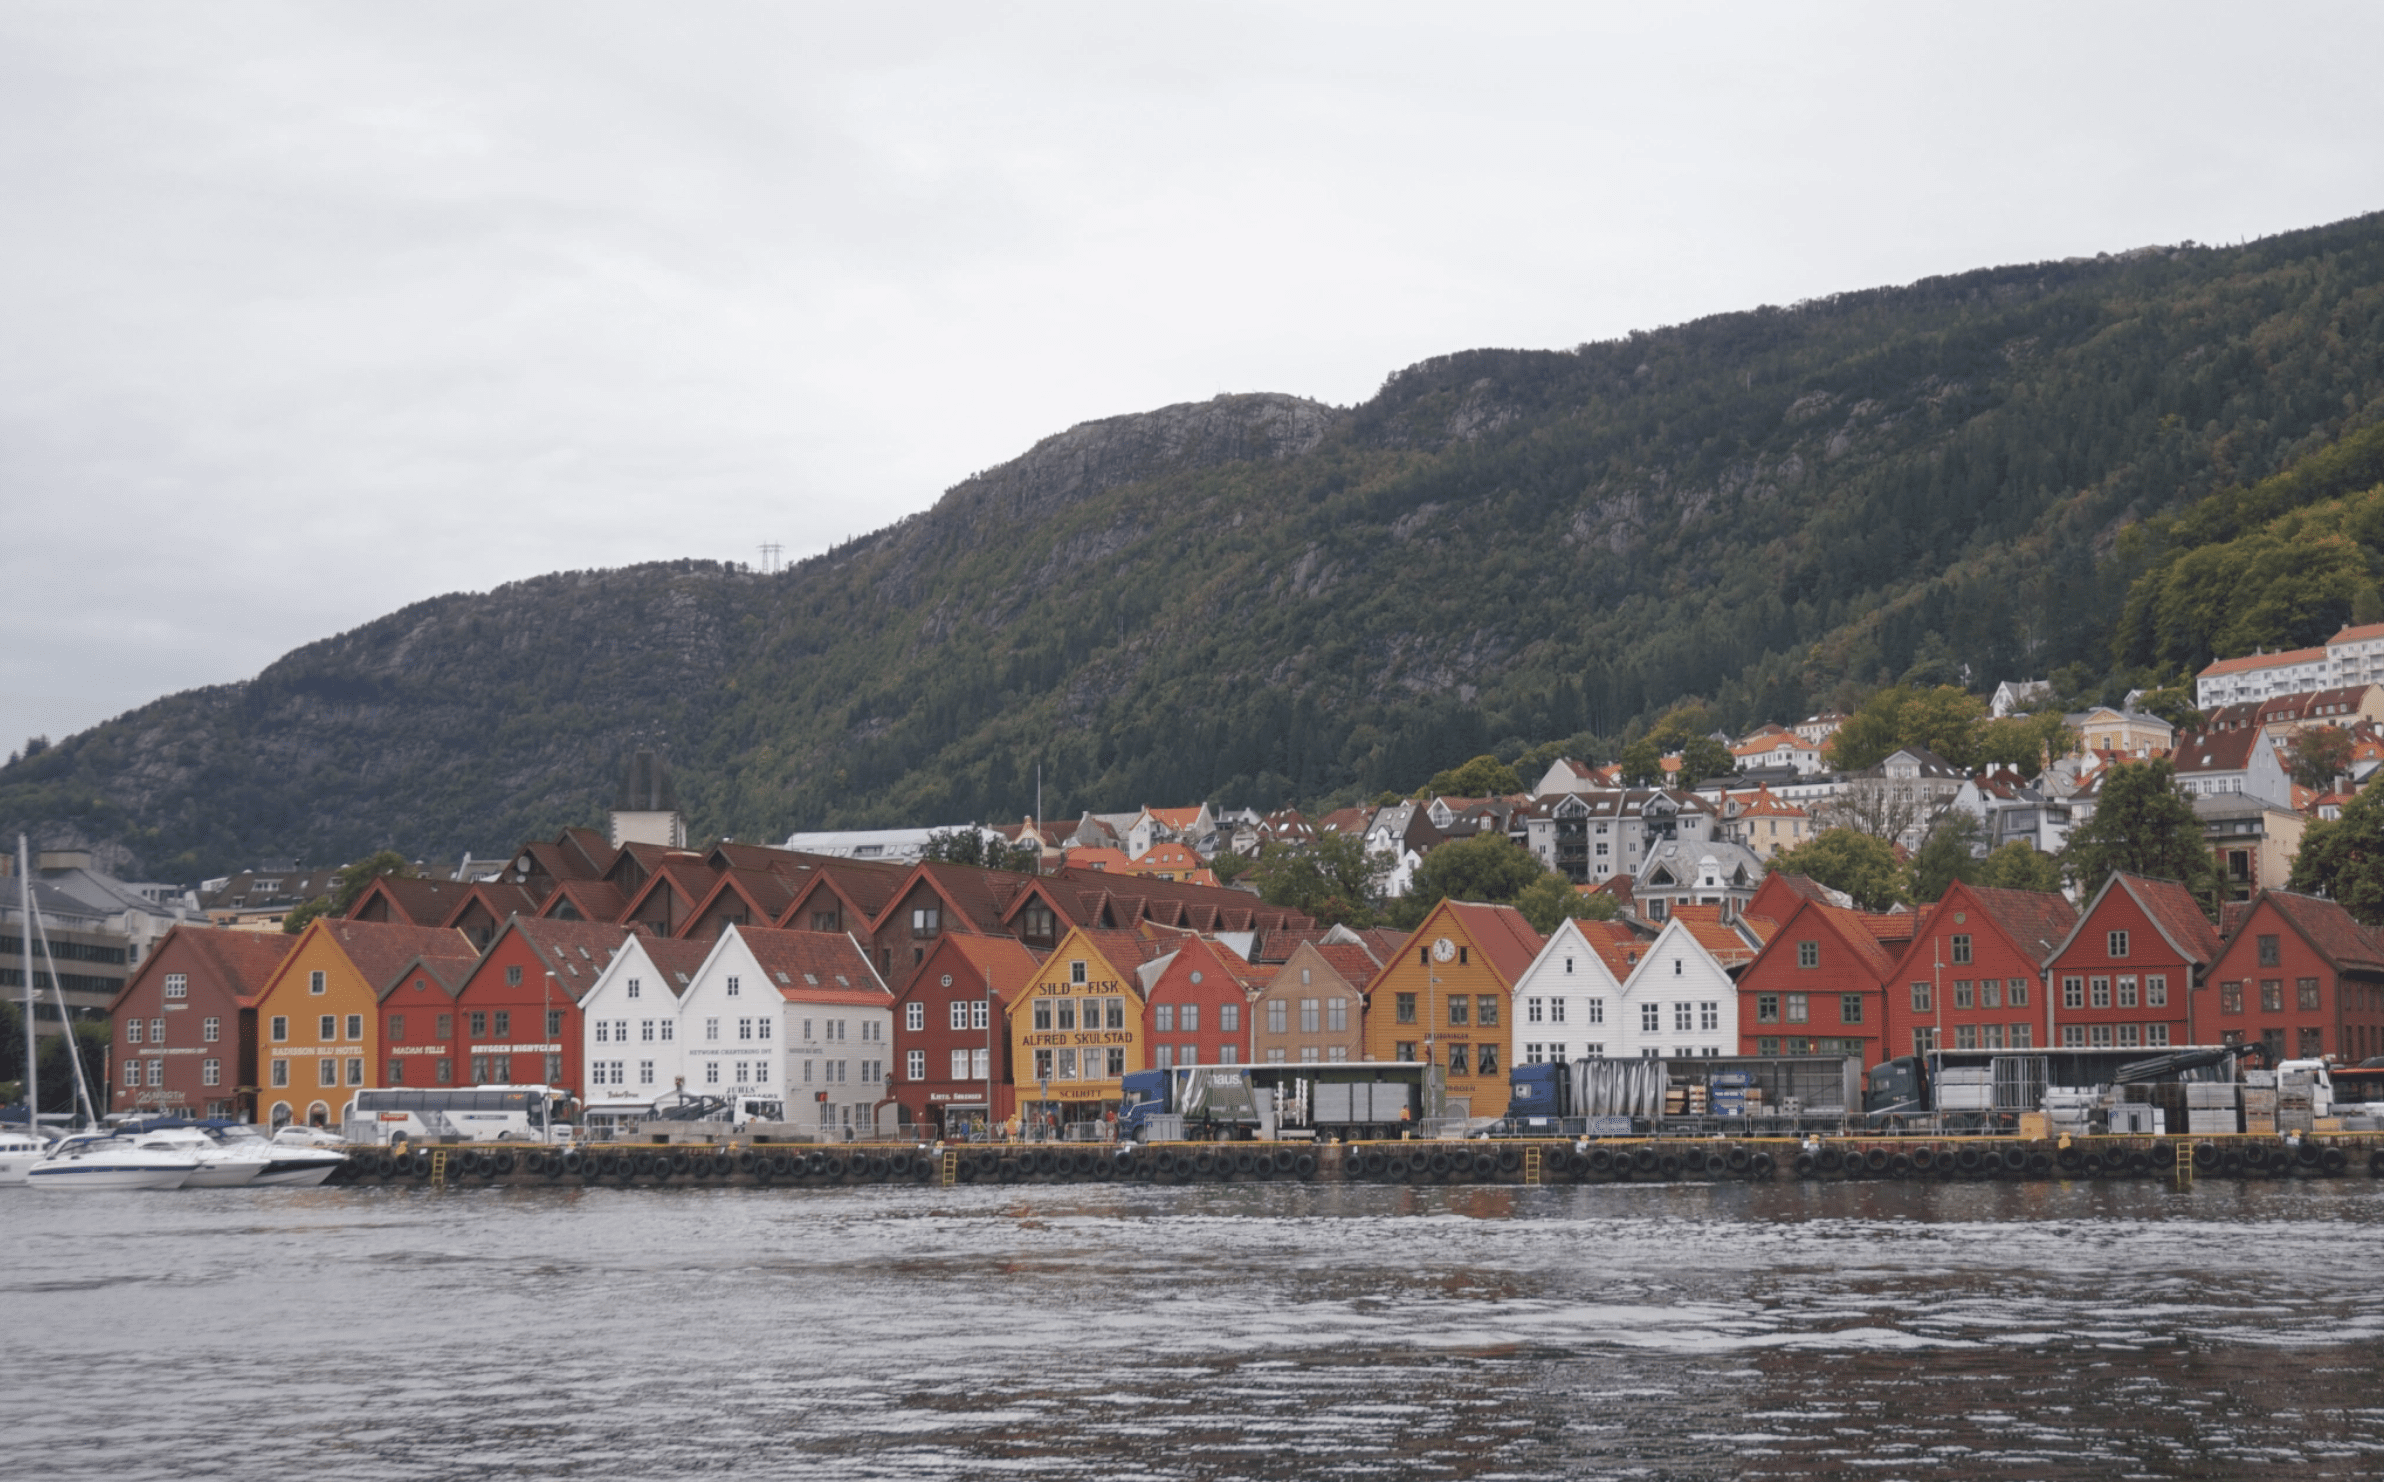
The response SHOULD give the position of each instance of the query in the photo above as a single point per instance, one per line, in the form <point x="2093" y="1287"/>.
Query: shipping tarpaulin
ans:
<point x="1618" y="1088"/>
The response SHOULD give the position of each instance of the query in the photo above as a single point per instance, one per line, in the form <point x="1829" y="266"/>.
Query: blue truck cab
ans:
<point x="1535" y="1091"/>
<point x="1141" y="1095"/>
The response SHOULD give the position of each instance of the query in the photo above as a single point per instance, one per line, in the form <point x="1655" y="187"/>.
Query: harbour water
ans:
<point x="1871" y="1330"/>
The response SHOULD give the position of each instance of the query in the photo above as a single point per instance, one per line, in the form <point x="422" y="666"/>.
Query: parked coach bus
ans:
<point x="458" y="1113"/>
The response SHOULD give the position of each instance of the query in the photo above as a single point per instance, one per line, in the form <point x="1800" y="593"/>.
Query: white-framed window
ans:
<point x="1337" y="1054"/>
<point x="914" y="1017"/>
<point x="318" y="981"/>
<point x="732" y="985"/>
<point x="633" y="985"/>
<point x="981" y="1062"/>
<point x="744" y="1031"/>
<point x="1683" y="1015"/>
<point x="604" y="1031"/>
<point x="957" y="1014"/>
<point x="1651" y="1018"/>
<point x="645" y="1072"/>
<point x="712" y="1030"/>
<point x="1555" y="1011"/>
<point x="211" y="1072"/>
<point x="327" y="1072"/>
<point x="1596" y="1010"/>
<point x="210" y="1030"/>
<point x="1534" y="1012"/>
<point x="711" y="1072"/>
<point x="666" y="1031"/>
<point x="281" y="1072"/>
<point x="177" y="985"/>
<point x="1709" y="1015"/>
<point x="157" y="1072"/>
<point x="133" y="1030"/>
<point x="977" y="1014"/>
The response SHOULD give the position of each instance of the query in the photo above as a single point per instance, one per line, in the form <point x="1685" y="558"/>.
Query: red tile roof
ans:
<point x="2265" y="661"/>
<point x="2036" y="921"/>
<point x="674" y="957"/>
<point x="379" y="949"/>
<point x="815" y="966"/>
<point x="1502" y="934"/>
<point x="2328" y="928"/>
<point x="594" y="900"/>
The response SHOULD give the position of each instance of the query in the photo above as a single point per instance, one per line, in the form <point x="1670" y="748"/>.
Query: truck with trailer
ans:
<point x="1349" y="1101"/>
<point x="1750" y="1095"/>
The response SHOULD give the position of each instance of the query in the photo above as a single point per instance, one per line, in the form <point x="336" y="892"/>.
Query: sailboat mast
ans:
<point x="25" y="944"/>
<point x="74" y="1052"/>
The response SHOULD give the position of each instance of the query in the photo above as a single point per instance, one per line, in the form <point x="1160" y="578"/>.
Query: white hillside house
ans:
<point x="629" y="1026"/>
<point x="1678" y="1002"/>
<point x="1565" y="1001"/>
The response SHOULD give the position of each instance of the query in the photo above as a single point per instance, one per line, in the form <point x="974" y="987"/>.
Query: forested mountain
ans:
<point x="1261" y="599"/>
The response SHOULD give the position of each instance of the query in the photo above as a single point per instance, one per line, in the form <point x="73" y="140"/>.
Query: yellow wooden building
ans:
<point x="1444" y="998"/>
<point x="318" y="1019"/>
<point x="1076" y="1026"/>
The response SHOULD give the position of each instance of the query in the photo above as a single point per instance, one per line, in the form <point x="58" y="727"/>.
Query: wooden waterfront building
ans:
<point x="1076" y="1027"/>
<point x="951" y="1037"/>
<point x="517" y="1014"/>
<point x="185" y="1022"/>
<point x="318" y="1016"/>
<point x="1197" y="1000"/>
<point x="1973" y="976"/>
<point x="798" y="1015"/>
<point x="631" y="1038"/>
<point x="2125" y="974"/>
<point x="2298" y="976"/>
<point x="1817" y="985"/>
<point x="1313" y="1010"/>
<point x="1445" y="997"/>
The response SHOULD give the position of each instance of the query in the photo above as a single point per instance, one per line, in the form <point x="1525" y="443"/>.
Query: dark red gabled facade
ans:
<point x="2126" y="974"/>
<point x="418" y="1022"/>
<point x="2300" y="977"/>
<point x="1818" y="987"/>
<point x="185" y="1033"/>
<point x="1973" y="976"/>
<point x="949" y="1036"/>
<point x="515" y="1025"/>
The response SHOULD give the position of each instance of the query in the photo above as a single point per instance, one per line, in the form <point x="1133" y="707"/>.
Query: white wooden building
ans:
<point x="1680" y="999"/>
<point x="631" y="1041"/>
<point x="799" y="1015"/>
<point x="1566" y="1001"/>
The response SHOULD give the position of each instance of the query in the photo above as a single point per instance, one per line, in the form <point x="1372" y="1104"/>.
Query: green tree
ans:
<point x="1483" y="777"/>
<point x="1705" y="757"/>
<point x="2320" y="755"/>
<point x="354" y="878"/>
<point x="1678" y="726"/>
<point x="1551" y="898"/>
<point x="2024" y="743"/>
<point x="968" y="846"/>
<point x="1946" y="856"/>
<point x="1486" y="867"/>
<point x="1642" y="764"/>
<point x="2174" y="704"/>
<point x="2343" y="858"/>
<point x="1844" y="859"/>
<point x="1229" y="866"/>
<point x="304" y="912"/>
<point x="2142" y="825"/>
<point x="1943" y="719"/>
<point x="1334" y="879"/>
<point x="2020" y="866"/>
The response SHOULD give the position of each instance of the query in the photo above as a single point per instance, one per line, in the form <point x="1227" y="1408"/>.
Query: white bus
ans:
<point x="466" y="1113"/>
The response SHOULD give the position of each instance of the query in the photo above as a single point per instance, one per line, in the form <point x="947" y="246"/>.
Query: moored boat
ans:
<point x="98" y="1161"/>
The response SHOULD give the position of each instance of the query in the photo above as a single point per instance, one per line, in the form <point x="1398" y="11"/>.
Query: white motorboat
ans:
<point x="100" y="1161"/>
<point x="222" y="1164"/>
<point x="288" y="1163"/>
<point x="18" y="1152"/>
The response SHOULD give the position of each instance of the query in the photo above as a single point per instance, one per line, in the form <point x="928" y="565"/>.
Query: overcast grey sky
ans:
<point x="309" y="311"/>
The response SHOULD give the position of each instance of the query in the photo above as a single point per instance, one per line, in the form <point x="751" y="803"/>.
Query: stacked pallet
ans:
<point x="2210" y="1107"/>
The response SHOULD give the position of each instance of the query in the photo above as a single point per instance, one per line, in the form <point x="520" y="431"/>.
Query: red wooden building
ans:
<point x="418" y="1020"/>
<point x="2126" y="973"/>
<point x="1818" y="987"/>
<point x="951" y="1052"/>
<point x="2299" y="976"/>
<point x="517" y="1015"/>
<point x="185" y="1022"/>
<point x="1197" y="1004"/>
<point x="1973" y="977"/>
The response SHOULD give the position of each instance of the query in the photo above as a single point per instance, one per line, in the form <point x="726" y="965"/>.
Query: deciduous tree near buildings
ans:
<point x="1861" y="864"/>
<point x="1333" y="879"/>
<point x="1944" y="719"/>
<point x="2343" y="858"/>
<point x="2142" y="825"/>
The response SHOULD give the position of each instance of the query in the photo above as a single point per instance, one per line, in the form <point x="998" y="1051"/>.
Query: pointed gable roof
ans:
<point x="575" y="951"/>
<point x="1502" y="934"/>
<point x="2327" y="927"/>
<point x="2035" y="922"/>
<point x="2171" y="909"/>
<point x="675" y="958"/>
<point x="380" y="950"/>
<point x="1006" y="963"/>
<point x="1727" y="942"/>
<point x="1847" y="926"/>
<point x="241" y="962"/>
<point x="407" y="901"/>
<point x="585" y="900"/>
<point x="765" y="895"/>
